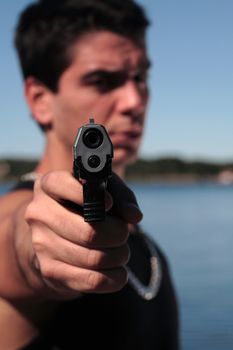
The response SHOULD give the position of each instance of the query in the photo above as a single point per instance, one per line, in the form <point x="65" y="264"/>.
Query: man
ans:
<point x="64" y="282"/>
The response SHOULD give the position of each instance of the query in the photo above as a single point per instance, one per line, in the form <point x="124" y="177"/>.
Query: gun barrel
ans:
<point x="93" y="153"/>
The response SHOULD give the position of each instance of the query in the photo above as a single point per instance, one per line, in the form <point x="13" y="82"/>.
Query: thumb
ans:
<point x="124" y="201"/>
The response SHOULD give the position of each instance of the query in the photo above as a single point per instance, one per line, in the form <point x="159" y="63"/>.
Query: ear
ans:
<point x="39" y="100"/>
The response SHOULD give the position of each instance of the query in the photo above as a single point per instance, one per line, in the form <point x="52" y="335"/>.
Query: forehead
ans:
<point x="107" y="50"/>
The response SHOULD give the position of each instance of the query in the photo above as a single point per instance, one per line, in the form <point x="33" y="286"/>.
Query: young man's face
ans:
<point x="107" y="81"/>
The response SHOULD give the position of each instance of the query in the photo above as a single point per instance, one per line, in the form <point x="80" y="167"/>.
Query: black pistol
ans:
<point x="93" y="153"/>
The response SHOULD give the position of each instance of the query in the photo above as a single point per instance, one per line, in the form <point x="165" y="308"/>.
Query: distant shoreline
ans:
<point x="160" y="170"/>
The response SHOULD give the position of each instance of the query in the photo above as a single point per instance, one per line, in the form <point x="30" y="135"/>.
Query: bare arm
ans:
<point x="12" y="225"/>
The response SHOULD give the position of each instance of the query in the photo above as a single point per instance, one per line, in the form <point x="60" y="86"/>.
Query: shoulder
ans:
<point x="13" y="200"/>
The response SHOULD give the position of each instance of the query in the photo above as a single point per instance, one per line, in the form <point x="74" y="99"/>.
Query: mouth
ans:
<point x="125" y="138"/>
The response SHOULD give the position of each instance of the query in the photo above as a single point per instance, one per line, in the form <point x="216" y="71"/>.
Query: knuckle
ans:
<point x="94" y="258"/>
<point x="37" y="242"/>
<point x="40" y="243"/>
<point x="47" y="270"/>
<point x="31" y="213"/>
<point x="110" y="281"/>
<point x="48" y="180"/>
<point x="95" y="280"/>
<point x="88" y="235"/>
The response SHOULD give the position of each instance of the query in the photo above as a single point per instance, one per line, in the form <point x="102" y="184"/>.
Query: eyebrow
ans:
<point x="146" y="64"/>
<point x="112" y="78"/>
<point x="101" y="72"/>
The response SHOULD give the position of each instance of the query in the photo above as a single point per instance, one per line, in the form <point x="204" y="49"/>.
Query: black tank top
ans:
<point x="116" y="321"/>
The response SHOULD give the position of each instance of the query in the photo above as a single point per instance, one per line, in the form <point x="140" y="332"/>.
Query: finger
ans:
<point x="49" y="244"/>
<point x="64" y="188"/>
<point x="110" y="233"/>
<point x="124" y="201"/>
<point x="62" y="185"/>
<point x="83" y="280"/>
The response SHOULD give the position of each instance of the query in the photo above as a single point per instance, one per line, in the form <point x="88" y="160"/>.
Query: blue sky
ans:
<point x="190" y="44"/>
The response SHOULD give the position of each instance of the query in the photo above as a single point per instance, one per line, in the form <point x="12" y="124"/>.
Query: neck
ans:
<point x="119" y="170"/>
<point x="55" y="157"/>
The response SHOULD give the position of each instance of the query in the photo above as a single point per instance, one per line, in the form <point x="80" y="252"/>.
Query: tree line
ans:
<point x="142" y="169"/>
<point x="176" y="167"/>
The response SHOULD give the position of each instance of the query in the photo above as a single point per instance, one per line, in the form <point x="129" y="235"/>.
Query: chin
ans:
<point x="124" y="157"/>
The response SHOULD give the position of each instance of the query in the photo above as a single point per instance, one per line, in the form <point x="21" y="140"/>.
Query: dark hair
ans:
<point x="48" y="28"/>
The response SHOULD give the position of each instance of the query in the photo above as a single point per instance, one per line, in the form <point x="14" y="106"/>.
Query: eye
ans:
<point x="105" y="81"/>
<point x="101" y="83"/>
<point x="110" y="81"/>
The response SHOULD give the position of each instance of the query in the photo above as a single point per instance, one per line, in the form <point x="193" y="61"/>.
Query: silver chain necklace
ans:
<point x="148" y="292"/>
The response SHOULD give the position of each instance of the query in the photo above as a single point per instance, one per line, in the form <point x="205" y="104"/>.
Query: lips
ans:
<point x="125" y="138"/>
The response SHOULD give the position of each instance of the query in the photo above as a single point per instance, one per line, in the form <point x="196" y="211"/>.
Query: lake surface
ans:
<point x="193" y="224"/>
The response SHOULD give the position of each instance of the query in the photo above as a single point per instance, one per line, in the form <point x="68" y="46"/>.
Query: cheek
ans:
<point x="67" y="120"/>
<point x="101" y="109"/>
<point x="77" y="110"/>
<point x="70" y="114"/>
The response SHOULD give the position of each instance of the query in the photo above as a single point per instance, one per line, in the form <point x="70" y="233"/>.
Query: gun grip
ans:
<point x="94" y="201"/>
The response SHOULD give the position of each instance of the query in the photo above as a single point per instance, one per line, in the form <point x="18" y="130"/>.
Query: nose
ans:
<point x="132" y="98"/>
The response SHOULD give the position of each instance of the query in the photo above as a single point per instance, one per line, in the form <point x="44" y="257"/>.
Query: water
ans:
<point x="193" y="224"/>
<point x="4" y="187"/>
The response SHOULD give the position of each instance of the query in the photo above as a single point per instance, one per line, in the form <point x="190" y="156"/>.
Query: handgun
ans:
<point x="92" y="166"/>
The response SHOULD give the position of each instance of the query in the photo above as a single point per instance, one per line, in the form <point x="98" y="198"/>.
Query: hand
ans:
<point x="71" y="255"/>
